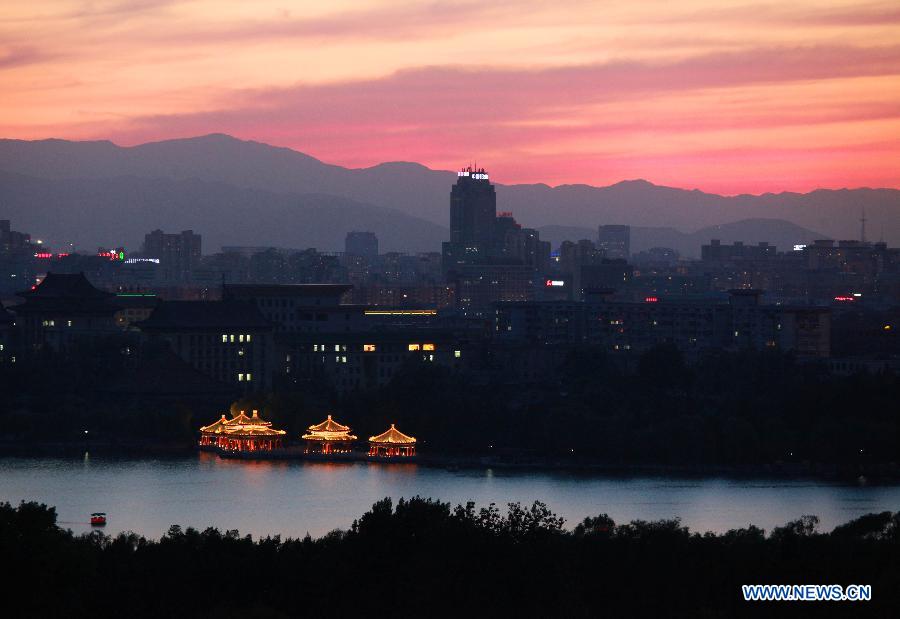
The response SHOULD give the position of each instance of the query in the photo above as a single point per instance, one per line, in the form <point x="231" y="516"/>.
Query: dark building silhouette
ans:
<point x="7" y="336"/>
<point x="615" y="241"/>
<point x="473" y="211"/>
<point x="715" y="251"/>
<point x="178" y="254"/>
<point x="63" y="309"/>
<point x="230" y="341"/>
<point x="361" y="244"/>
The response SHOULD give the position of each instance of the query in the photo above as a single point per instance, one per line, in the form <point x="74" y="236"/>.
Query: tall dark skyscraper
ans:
<point x="473" y="215"/>
<point x="473" y="209"/>
<point x="615" y="241"/>
<point x="178" y="254"/>
<point x="361" y="244"/>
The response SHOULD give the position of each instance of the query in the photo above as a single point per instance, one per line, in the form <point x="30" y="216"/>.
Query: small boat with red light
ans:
<point x="98" y="519"/>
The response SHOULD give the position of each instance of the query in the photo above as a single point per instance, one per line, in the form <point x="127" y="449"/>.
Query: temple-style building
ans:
<point x="392" y="444"/>
<point x="241" y="435"/>
<point x="64" y="309"/>
<point x="328" y="437"/>
<point x="209" y="435"/>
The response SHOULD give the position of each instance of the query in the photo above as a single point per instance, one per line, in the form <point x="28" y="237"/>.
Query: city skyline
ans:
<point x="727" y="99"/>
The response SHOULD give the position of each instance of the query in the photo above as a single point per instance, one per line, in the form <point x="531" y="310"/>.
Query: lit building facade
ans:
<point x="230" y="341"/>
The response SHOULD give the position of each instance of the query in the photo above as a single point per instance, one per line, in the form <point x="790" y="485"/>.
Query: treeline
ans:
<point x="747" y="408"/>
<point x="422" y="558"/>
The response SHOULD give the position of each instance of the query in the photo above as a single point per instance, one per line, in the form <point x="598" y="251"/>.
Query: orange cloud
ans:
<point x="743" y="97"/>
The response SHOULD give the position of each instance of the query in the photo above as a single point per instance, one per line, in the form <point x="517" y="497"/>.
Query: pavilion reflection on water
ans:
<point x="328" y="438"/>
<point x="241" y="434"/>
<point x="392" y="444"/>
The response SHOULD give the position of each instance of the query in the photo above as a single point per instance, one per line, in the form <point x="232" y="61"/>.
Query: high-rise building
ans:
<point x="178" y="254"/>
<point x="473" y="211"/>
<point x="615" y="241"/>
<point x="361" y="244"/>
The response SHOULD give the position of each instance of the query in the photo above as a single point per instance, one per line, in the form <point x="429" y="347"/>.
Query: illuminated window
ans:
<point x="315" y="348"/>
<point x="343" y="359"/>
<point x="1" y="347"/>
<point x="231" y="338"/>
<point x="224" y="339"/>
<point x="69" y="323"/>
<point x="427" y="346"/>
<point x="414" y="347"/>
<point x="248" y="337"/>
<point x="337" y="348"/>
<point x="249" y="377"/>
<point x="241" y="338"/>
<point x="457" y="353"/>
<point x="368" y="347"/>
<point x="241" y="377"/>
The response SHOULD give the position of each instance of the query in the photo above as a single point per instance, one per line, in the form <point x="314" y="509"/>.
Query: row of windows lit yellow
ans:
<point x="374" y="347"/>
<point x="52" y="323"/>
<point x="230" y="338"/>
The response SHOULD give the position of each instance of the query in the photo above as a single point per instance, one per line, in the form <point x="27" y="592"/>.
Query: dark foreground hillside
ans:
<point x="422" y="558"/>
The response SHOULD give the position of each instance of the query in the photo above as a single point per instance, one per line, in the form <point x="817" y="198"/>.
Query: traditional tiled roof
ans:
<point x="254" y="431"/>
<point x="66" y="293"/>
<point x="215" y="315"/>
<point x="65" y="286"/>
<point x="216" y="427"/>
<point x="241" y="419"/>
<point x="329" y="430"/>
<point x="393" y="436"/>
<point x="242" y="425"/>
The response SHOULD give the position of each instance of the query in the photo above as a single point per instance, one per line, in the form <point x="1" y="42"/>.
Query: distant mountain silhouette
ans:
<point x="423" y="193"/>
<point x="112" y="211"/>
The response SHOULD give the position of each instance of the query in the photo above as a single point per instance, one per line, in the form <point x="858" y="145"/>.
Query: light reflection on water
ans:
<point x="293" y="498"/>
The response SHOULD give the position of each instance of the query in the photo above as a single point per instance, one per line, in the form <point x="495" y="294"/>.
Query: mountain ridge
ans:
<point x="421" y="192"/>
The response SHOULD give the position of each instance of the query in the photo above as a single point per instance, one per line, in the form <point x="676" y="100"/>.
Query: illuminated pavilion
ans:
<point x="209" y="435"/>
<point x="242" y="434"/>
<point x="328" y="437"/>
<point x="392" y="444"/>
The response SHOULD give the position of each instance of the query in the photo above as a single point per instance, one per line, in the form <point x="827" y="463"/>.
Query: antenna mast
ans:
<point x="862" y="226"/>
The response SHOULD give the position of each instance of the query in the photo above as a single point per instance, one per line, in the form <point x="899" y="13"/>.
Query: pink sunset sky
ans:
<point x="725" y="96"/>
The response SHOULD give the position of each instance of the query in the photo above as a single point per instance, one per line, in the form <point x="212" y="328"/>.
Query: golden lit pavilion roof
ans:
<point x="329" y="430"/>
<point x="242" y="425"/>
<point x="216" y="427"/>
<point x="393" y="436"/>
<point x="253" y="430"/>
<point x="241" y="419"/>
<point x="329" y="425"/>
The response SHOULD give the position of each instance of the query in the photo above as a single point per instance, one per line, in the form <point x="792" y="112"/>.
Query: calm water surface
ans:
<point x="293" y="498"/>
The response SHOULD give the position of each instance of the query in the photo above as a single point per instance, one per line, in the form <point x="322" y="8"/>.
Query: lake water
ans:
<point x="294" y="497"/>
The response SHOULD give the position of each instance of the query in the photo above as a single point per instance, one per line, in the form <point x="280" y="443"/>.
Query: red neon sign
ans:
<point x="651" y="299"/>
<point x="844" y="299"/>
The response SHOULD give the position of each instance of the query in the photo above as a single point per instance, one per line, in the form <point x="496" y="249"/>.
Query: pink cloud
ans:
<point x="519" y="118"/>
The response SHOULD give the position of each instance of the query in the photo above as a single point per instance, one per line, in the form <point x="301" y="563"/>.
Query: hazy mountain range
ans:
<point x="248" y="193"/>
